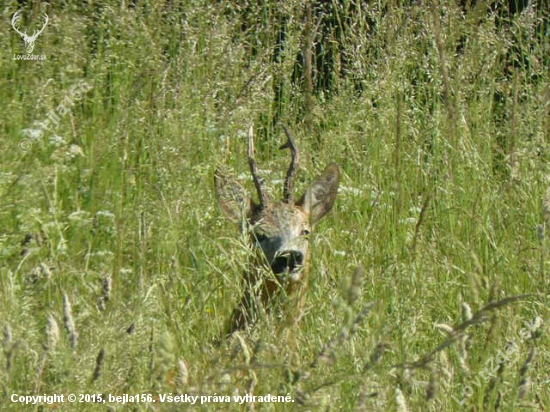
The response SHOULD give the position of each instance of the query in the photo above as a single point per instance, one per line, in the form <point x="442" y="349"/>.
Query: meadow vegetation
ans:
<point x="118" y="271"/>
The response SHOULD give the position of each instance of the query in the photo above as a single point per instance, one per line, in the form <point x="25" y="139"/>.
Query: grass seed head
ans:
<point x="107" y="288"/>
<point x="183" y="374"/>
<point x="354" y="291"/>
<point x="7" y="334"/>
<point x="52" y="333"/>
<point x="524" y="379"/>
<point x="99" y="363"/>
<point x="69" y="321"/>
<point x="400" y="400"/>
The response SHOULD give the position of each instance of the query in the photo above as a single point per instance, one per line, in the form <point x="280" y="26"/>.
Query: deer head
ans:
<point x="29" y="40"/>
<point x="280" y="229"/>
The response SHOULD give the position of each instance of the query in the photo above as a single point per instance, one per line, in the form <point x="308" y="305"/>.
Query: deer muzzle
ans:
<point x="288" y="262"/>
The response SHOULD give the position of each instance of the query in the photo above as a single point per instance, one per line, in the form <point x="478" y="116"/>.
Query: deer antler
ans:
<point x="288" y="193"/>
<point x="253" y="168"/>
<point x="37" y="33"/>
<point x="15" y="25"/>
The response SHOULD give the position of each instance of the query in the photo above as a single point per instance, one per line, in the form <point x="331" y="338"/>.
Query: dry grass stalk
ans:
<point x="327" y="353"/>
<point x="152" y="352"/>
<point x="105" y="293"/>
<point x="400" y="400"/>
<point x="258" y="347"/>
<point x="448" y="330"/>
<point x="8" y="346"/>
<point x="466" y="311"/>
<point x="7" y="335"/>
<point x="524" y="379"/>
<point x="494" y="324"/>
<point x="52" y="337"/>
<point x="498" y="402"/>
<point x="445" y="369"/>
<point x="448" y="95"/>
<point x="107" y="288"/>
<point x="69" y="321"/>
<point x="52" y="333"/>
<point x="354" y="291"/>
<point x="536" y="328"/>
<point x="493" y="385"/>
<point x="433" y="385"/>
<point x="478" y="317"/>
<point x="99" y="363"/>
<point x="39" y="371"/>
<point x="364" y="396"/>
<point x="420" y="220"/>
<point x="379" y="350"/>
<point x="182" y="379"/>
<point x="463" y="352"/>
<point x="244" y="347"/>
<point x="546" y="207"/>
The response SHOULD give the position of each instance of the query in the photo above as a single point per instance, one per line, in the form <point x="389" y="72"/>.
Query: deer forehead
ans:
<point x="281" y="218"/>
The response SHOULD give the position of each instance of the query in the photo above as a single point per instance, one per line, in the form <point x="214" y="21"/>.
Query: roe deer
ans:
<point x="279" y="229"/>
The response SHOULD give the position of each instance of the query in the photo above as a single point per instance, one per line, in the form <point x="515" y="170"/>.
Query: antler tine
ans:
<point x="253" y="168"/>
<point x="288" y="193"/>
<point x="14" y="23"/>
<point x="36" y="33"/>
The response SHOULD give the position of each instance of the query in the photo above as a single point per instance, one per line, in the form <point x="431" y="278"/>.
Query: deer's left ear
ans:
<point x="319" y="197"/>
<point x="234" y="201"/>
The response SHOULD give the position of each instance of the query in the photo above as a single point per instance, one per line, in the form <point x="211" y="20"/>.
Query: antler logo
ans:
<point x="29" y="40"/>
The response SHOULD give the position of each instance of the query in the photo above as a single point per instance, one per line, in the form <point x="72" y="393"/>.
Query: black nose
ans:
<point x="287" y="262"/>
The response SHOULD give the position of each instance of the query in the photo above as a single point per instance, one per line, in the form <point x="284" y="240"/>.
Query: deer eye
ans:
<point x="305" y="232"/>
<point x="260" y="237"/>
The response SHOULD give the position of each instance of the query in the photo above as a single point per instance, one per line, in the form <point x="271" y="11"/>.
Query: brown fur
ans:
<point x="281" y="232"/>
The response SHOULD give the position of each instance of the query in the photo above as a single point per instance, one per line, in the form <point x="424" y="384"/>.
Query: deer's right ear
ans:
<point x="319" y="198"/>
<point x="234" y="201"/>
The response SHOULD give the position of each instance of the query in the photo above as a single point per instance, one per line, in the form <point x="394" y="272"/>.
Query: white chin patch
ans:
<point x="296" y="275"/>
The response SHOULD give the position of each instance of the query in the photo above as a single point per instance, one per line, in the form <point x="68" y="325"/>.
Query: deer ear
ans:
<point x="234" y="201"/>
<point x="319" y="197"/>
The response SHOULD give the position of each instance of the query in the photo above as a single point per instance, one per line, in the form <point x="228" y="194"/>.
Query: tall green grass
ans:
<point x="118" y="271"/>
